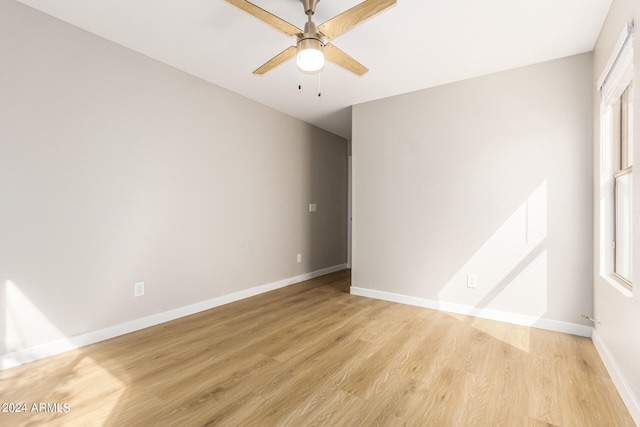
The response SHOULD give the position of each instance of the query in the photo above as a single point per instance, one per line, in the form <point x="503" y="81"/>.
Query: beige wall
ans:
<point x="617" y="311"/>
<point x="115" y="168"/>
<point x="489" y="176"/>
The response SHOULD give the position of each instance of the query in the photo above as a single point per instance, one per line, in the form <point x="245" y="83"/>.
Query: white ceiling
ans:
<point x="414" y="45"/>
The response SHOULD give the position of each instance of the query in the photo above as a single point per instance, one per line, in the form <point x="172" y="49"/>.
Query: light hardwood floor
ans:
<point x="311" y="355"/>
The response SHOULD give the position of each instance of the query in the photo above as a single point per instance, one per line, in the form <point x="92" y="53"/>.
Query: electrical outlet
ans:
<point x="472" y="281"/>
<point x="313" y="207"/>
<point x="299" y="258"/>
<point x="138" y="289"/>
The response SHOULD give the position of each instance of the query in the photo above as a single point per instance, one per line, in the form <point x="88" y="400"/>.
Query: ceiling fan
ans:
<point x="313" y="46"/>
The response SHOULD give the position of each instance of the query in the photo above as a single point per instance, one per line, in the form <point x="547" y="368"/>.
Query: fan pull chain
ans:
<point x="319" y="89"/>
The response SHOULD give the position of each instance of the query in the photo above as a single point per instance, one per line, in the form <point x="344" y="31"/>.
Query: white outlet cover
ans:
<point x="138" y="289"/>
<point x="313" y="207"/>
<point x="472" y="281"/>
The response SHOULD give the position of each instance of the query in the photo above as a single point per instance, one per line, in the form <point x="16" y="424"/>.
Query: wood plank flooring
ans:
<point x="313" y="355"/>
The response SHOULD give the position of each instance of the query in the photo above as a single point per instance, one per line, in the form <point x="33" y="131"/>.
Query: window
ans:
<point x="622" y="156"/>
<point x="617" y="159"/>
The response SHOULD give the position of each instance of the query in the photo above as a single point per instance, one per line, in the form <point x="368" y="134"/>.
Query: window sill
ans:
<point x="618" y="285"/>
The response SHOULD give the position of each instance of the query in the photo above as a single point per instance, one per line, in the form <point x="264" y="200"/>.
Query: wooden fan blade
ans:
<point x="338" y="57"/>
<point x="354" y="16"/>
<point x="283" y="56"/>
<point x="263" y="15"/>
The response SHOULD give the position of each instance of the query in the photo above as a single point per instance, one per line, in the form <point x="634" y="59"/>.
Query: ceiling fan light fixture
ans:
<point x="311" y="43"/>
<point x="310" y="57"/>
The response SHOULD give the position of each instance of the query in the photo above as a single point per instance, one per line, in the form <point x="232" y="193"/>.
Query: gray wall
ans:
<point x="115" y="168"/>
<point x="618" y="311"/>
<point x="489" y="176"/>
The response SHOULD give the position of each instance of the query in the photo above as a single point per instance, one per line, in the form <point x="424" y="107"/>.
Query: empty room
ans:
<point x="319" y="213"/>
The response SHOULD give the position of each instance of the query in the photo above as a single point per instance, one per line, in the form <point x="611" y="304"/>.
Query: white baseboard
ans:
<point x="501" y="316"/>
<point x="59" y="346"/>
<point x="626" y="393"/>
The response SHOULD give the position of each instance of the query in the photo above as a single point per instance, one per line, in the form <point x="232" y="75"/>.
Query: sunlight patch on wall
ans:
<point x="511" y="266"/>
<point x="27" y="334"/>
<point x="25" y="325"/>
<point x="526" y="293"/>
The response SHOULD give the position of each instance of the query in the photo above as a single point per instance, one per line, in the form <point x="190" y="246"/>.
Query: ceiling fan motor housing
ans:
<point x="311" y="37"/>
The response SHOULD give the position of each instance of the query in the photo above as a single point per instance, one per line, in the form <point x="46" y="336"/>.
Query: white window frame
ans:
<point x="616" y="86"/>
